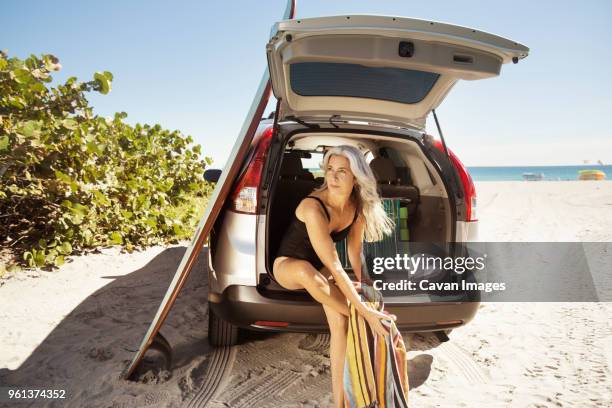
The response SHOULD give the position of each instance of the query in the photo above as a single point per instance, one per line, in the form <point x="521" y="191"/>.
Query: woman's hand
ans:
<point x="373" y="317"/>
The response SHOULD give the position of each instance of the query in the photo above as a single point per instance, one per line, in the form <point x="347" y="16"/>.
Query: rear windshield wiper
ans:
<point x="301" y="122"/>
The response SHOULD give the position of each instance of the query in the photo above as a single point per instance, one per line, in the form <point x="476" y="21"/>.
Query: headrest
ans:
<point x="291" y="166"/>
<point x="384" y="170"/>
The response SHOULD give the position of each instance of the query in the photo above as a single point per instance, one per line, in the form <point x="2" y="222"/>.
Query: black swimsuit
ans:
<point x="296" y="244"/>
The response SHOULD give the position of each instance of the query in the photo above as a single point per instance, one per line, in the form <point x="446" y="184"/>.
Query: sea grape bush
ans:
<point x="72" y="180"/>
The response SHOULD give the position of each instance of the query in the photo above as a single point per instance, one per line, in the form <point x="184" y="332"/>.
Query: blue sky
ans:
<point x="195" y="66"/>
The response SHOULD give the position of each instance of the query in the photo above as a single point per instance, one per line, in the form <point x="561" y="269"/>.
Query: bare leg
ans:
<point x="338" y="327"/>
<point x="297" y="274"/>
<point x="294" y="274"/>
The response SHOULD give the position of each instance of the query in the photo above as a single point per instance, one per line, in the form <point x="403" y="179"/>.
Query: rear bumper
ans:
<point x="247" y="307"/>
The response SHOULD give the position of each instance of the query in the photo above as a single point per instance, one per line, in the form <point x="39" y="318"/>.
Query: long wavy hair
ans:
<point x="365" y="194"/>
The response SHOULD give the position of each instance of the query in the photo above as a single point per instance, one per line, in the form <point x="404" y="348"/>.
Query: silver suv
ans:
<point x="370" y="82"/>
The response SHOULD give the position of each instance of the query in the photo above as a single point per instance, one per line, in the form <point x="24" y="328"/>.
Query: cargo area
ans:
<point x="413" y="193"/>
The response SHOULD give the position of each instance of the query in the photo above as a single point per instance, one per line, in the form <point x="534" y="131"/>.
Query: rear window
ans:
<point x="333" y="79"/>
<point x="312" y="164"/>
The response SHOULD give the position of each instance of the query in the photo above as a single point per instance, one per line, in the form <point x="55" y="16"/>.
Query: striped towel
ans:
<point x="376" y="367"/>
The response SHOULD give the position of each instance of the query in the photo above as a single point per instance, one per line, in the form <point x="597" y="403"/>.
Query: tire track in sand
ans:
<point x="462" y="363"/>
<point x="315" y="342"/>
<point x="219" y="368"/>
<point x="276" y="370"/>
<point x="259" y="388"/>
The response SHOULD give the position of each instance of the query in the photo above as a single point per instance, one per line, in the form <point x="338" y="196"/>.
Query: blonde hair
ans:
<point x="369" y="204"/>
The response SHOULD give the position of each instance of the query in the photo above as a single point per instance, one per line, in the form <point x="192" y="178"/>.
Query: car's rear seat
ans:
<point x="389" y="184"/>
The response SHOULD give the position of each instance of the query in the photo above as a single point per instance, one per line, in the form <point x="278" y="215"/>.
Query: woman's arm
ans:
<point x="355" y="246"/>
<point x="316" y="226"/>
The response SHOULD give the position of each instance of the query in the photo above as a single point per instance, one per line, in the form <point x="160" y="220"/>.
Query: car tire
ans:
<point x="220" y="332"/>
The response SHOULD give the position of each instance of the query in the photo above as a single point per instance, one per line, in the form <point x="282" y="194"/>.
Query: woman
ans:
<point x="346" y="205"/>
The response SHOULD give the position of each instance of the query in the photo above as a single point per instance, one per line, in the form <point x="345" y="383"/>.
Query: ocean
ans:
<point x="555" y="173"/>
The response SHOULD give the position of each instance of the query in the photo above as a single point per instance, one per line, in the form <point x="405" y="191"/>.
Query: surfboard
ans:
<point x="215" y="204"/>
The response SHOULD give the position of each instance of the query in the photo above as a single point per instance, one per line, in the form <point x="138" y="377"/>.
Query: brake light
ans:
<point x="244" y="196"/>
<point x="466" y="182"/>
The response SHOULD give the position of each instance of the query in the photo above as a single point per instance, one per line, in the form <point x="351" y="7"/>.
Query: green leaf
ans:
<point x="65" y="248"/>
<point x="22" y="76"/>
<point x="116" y="238"/>
<point x="93" y="147"/>
<point x="17" y="102"/>
<point x="59" y="260"/>
<point x="4" y="141"/>
<point x="63" y="176"/>
<point x="70" y="124"/>
<point x="103" y="81"/>
<point x="76" y="218"/>
<point x="102" y="199"/>
<point x="151" y="222"/>
<point x="49" y="258"/>
<point x="30" y="128"/>
<point x="78" y="213"/>
<point x="78" y="208"/>
<point x="127" y="214"/>
<point x="39" y="257"/>
<point x="38" y="88"/>
<point x="88" y="236"/>
<point x="177" y="229"/>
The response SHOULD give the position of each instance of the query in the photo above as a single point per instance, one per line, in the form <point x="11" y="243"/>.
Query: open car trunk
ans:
<point x="382" y="69"/>
<point x="412" y="191"/>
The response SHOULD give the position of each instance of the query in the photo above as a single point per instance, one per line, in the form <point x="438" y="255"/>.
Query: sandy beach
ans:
<point x="76" y="329"/>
